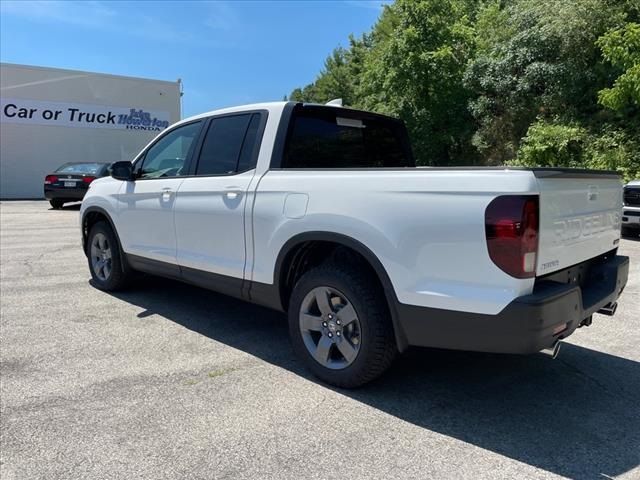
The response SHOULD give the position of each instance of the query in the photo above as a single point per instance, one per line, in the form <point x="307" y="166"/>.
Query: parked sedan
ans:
<point x="70" y="182"/>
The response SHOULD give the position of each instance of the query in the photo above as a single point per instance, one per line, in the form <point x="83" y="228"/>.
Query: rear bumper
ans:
<point x="528" y="324"/>
<point x="631" y="217"/>
<point x="70" y="194"/>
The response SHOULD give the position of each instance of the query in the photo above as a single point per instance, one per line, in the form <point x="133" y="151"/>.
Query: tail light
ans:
<point x="49" y="179"/>
<point x="511" y="227"/>
<point x="88" y="180"/>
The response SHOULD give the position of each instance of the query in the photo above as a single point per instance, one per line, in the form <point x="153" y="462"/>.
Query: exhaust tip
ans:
<point x="609" y="310"/>
<point x="553" y="351"/>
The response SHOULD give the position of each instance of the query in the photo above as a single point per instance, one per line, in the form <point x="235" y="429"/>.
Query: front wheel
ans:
<point x="340" y="326"/>
<point x="106" y="264"/>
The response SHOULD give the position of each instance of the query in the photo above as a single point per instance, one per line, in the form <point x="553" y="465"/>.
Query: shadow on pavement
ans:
<point x="633" y="238"/>
<point x="577" y="416"/>
<point x="69" y="207"/>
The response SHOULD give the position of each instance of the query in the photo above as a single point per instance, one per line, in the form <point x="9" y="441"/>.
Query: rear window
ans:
<point x="81" y="168"/>
<point x="322" y="137"/>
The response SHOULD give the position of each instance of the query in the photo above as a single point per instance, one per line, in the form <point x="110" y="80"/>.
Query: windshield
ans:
<point x="81" y="168"/>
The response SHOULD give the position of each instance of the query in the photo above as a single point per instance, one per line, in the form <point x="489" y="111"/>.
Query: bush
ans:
<point x="554" y="144"/>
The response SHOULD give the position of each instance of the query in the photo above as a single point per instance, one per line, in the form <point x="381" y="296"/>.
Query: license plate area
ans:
<point x="70" y="184"/>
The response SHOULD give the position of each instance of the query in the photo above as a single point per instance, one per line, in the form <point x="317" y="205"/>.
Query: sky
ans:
<point x="226" y="52"/>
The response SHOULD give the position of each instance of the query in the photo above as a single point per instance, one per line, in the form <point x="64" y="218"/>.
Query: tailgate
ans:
<point x="580" y="214"/>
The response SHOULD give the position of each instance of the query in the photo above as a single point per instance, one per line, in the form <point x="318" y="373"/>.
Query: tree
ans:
<point x="493" y="82"/>
<point x="544" y="62"/>
<point x="416" y="73"/>
<point x="621" y="47"/>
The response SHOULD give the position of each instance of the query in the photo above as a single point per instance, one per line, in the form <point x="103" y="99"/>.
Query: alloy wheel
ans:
<point x="101" y="258"/>
<point x="330" y="328"/>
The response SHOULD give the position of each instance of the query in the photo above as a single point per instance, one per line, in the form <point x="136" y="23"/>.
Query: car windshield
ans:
<point x="81" y="168"/>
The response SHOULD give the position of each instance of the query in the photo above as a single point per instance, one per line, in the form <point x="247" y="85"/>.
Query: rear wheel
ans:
<point x="56" y="203"/>
<point x="340" y="327"/>
<point x="108" y="268"/>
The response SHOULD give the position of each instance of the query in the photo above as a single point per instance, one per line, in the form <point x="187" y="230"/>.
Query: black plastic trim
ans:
<point x="104" y="213"/>
<point x="526" y="325"/>
<point x="154" y="267"/>
<point x="551" y="172"/>
<point x="538" y="172"/>
<point x="262" y="294"/>
<point x="267" y="295"/>
<point x="223" y="284"/>
<point x="281" y="135"/>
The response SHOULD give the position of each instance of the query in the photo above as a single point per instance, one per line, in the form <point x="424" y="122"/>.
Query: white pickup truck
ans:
<point x="319" y="211"/>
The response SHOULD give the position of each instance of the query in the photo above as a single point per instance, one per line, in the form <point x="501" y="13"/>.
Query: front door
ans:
<point x="146" y="212"/>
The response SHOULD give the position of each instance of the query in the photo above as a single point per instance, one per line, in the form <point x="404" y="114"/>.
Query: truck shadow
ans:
<point x="577" y="416"/>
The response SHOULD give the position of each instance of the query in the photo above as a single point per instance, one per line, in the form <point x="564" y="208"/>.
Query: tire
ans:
<point x="109" y="270"/>
<point x="374" y="340"/>
<point x="56" y="204"/>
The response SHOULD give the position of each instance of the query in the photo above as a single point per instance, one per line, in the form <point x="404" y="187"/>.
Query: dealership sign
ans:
<point x="40" y="112"/>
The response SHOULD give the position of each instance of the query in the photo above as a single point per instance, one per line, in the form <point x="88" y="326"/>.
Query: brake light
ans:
<point x="511" y="228"/>
<point x="88" y="180"/>
<point x="49" y="179"/>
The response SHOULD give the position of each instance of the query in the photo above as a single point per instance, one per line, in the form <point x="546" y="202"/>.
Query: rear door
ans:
<point x="211" y="203"/>
<point x="146" y="225"/>
<point x="580" y="217"/>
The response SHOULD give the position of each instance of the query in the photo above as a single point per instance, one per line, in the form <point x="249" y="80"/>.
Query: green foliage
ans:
<point x="621" y="47"/>
<point x="492" y="82"/>
<point x="552" y="144"/>
<point x="615" y="149"/>
<point x="416" y="74"/>
<point x="546" y="64"/>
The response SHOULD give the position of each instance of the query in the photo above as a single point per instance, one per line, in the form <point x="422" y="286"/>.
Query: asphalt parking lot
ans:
<point x="171" y="381"/>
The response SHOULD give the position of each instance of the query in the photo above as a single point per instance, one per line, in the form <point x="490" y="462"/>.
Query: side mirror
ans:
<point x="122" y="170"/>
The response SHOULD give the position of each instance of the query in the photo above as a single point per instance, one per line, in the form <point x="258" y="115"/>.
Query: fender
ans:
<point x="103" y="212"/>
<point x="367" y="254"/>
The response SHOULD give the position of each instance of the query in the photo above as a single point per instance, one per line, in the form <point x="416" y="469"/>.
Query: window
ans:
<point x="81" y="168"/>
<point x="167" y="156"/>
<point x="325" y="138"/>
<point x="229" y="145"/>
<point x="249" y="155"/>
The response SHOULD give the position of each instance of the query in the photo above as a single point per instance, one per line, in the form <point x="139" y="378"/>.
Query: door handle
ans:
<point x="166" y="194"/>
<point x="232" y="195"/>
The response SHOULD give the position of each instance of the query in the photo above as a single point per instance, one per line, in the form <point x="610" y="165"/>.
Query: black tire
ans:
<point x="56" y="204"/>
<point x="119" y="273"/>
<point x="377" y="347"/>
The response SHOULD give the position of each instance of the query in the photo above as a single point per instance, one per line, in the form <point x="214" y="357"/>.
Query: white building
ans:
<point x="50" y="116"/>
